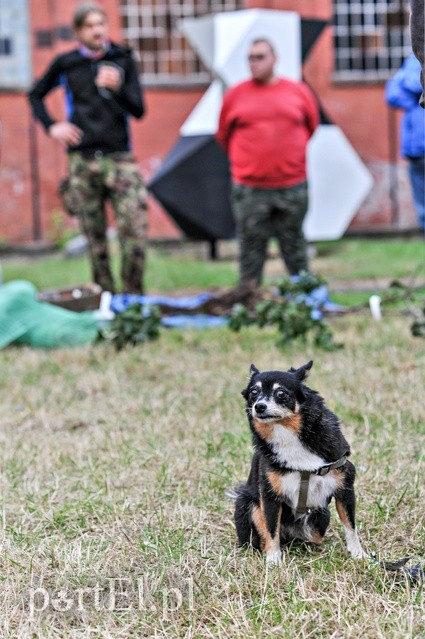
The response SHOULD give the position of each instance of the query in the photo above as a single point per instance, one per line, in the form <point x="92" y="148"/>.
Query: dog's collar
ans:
<point x="301" y="508"/>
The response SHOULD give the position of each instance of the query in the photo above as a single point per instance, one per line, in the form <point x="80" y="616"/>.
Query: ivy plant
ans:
<point x="133" y="326"/>
<point x="293" y="310"/>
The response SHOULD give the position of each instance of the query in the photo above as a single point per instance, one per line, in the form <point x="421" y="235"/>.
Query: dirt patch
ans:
<point x="220" y="303"/>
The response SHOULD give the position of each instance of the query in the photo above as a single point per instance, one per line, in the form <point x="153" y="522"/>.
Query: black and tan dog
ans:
<point x="300" y="463"/>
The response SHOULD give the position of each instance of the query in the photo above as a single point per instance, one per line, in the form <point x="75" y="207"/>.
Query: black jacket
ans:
<point x="101" y="115"/>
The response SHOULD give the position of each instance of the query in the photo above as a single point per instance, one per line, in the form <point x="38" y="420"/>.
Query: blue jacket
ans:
<point x="403" y="92"/>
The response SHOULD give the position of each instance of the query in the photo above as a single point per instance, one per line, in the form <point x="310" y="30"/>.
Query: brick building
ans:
<point x="363" y="45"/>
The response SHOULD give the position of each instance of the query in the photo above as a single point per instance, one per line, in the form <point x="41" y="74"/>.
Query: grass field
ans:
<point x="342" y="261"/>
<point x="114" y="469"/>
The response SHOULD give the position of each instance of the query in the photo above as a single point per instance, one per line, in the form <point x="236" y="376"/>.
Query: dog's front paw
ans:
<point x="274" y="557"/>
<point x="356" y="551"/>
<point x="353" y="545"/>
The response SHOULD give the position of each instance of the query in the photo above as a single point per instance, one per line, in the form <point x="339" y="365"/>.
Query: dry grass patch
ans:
<point x="113" y="476"/>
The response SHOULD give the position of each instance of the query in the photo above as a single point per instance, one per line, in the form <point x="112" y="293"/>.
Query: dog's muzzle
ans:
<point x="262" y="412"/>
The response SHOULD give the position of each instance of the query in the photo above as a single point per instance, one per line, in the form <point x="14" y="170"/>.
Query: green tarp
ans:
<point x="26" y="320"/>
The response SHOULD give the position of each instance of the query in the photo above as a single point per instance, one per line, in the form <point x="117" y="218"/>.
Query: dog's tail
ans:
<point x="234" y="491"/>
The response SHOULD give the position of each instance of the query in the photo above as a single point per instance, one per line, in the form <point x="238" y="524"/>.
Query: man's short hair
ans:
<point x="265" y="41"/>
<point x="83" y="10"/>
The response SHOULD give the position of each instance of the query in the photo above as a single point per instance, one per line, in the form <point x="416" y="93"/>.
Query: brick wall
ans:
<point x="32" y="164"/>
<point x="361" y="113"/>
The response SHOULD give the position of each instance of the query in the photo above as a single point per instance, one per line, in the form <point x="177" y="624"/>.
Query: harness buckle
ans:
<point x="324" y="470"/>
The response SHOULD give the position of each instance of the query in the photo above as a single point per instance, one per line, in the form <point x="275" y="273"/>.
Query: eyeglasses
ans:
<point x="256" y="57"/>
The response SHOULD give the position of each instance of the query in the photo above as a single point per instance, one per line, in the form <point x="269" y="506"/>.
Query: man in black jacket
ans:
<point x="102" y="90"/>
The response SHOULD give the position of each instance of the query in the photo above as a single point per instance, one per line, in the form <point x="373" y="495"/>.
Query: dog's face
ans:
<point x="274" y="396"/>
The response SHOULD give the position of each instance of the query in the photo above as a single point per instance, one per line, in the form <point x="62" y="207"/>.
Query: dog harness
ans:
<point x="301" y="508"/>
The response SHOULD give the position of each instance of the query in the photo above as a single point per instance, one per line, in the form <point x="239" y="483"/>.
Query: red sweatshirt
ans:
<point x="264" y="129"/>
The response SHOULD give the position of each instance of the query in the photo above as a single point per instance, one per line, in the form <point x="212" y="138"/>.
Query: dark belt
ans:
<point x="97" y="154"/>
<point x="301" y="508"/>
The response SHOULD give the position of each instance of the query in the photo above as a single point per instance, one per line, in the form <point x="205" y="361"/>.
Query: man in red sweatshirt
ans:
<point x="264" y="127"/>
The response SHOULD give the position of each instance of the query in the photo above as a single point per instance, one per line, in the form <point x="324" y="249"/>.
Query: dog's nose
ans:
<point x="260" y="407"/>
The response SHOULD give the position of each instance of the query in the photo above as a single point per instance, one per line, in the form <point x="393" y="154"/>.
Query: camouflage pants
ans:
<point x="264" y="213"/>
<point x="115" y="178"/>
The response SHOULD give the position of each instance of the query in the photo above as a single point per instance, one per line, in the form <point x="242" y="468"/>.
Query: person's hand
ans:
<point x="66" y="133"/>
<point x="108" y="77"/>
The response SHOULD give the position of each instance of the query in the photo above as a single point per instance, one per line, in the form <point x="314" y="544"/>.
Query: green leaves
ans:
<point x="133" y="326"/>
<point x="305" y="283"/>
<point x="295" y="314"/>
<point x="240" y="317"/>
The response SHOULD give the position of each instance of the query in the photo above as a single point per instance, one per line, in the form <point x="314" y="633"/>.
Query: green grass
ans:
<point x="344" y="260"/>
<point x="164" y="272"/>
<point x="114" y="469"/>
<point x="371" y="258"/>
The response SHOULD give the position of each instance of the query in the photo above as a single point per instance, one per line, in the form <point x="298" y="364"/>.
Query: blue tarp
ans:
<point x="122" y="301"/>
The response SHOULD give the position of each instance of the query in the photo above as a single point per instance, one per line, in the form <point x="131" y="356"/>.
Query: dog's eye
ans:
<point x="254" y="392"/>
<point x="280" y="394"/>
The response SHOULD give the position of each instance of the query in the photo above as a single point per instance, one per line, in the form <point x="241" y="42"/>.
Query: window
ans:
<point x="5" y="46"/>
<point x="15" y="62"/>
<point x="151" y="29"/>
<point x="371" y="38"/>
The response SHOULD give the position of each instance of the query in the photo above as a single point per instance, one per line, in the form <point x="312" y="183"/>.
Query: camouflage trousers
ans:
<point x="264" y="213"/>
<point x="115" y="177"/>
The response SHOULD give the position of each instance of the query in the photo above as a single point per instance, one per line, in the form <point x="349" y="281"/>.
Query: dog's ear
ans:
<point x="253" y="371"/>
<point x="302" y="372"/>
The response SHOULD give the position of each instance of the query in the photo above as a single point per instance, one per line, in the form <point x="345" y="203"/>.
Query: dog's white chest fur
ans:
<point x="319" y="489"/>
<point x="290" y="451"/>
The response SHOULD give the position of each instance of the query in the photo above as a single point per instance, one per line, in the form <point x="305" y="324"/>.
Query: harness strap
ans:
<point x="301" y="508"/>
<point x="303" y="494"/>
